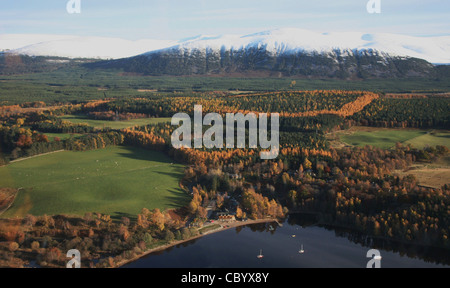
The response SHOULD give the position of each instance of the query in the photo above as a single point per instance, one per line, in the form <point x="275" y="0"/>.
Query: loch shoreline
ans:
<point x="224" y="226"/>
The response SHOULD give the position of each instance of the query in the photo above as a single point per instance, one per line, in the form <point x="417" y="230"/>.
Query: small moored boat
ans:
<point x="260" y="256"/>
<point x="301" y="251"/>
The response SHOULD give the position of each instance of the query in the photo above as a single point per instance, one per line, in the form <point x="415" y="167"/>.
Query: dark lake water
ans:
<point x="324" y="248"/>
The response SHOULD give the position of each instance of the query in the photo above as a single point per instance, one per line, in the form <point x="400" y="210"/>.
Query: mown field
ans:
<point x="99" y="124"/>
<point x="430" y="139"/>
<point x="384" y="139"/>
<point x="387" y="138"/>
<point x="117" y="181"/>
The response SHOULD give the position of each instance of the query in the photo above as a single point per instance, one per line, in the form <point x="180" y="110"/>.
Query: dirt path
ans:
<point x="23" y="159"/>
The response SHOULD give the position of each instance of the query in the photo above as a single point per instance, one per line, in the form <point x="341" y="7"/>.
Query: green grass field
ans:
<point x="384" y="139"/>
<point x="387" y="138"/>
<point x="432" y="139"/>
<point x="99" y="124"/>
<point x="116" y="181"/>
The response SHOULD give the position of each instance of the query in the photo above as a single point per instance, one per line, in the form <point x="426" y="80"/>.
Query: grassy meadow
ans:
<point x="117" y="181"/>
<point x="430" y="139"/>
<point x="384" y="138"/>
<point x="387" y="138"/>
<point x="99" y="124"/>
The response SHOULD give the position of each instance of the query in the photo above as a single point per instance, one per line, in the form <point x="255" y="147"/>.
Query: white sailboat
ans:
<point x="301" y="251"/>
<point x="260" y="256"/>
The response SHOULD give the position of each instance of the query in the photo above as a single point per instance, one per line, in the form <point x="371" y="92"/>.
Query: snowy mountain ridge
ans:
<point x="289" y="40"/>
<point x="435" y="50"/>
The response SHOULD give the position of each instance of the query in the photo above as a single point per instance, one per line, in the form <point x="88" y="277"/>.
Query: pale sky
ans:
<point x="177" y="19"/>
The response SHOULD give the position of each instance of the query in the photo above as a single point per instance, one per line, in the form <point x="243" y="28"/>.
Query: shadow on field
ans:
<point x="442" y="136"/>
<point x="174" y="197"/>
<point x="177" y="175"/>
<point x="117" y="217"/>
<point x="142" y="154"/>
<point x="179" y="197"/>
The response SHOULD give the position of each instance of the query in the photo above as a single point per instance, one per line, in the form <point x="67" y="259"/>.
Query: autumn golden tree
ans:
<point x="158" y="219"/>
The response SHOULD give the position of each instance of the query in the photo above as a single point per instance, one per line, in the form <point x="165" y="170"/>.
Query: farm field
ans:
<point x="431" y="139"/>
<point x="433" y="175"/>
<point x="387" y="138"/>
<point x="384" y="139"/>
<point x="118" y="181"/>
<point x="429" y="177"/>
<point x="99" y="124"/>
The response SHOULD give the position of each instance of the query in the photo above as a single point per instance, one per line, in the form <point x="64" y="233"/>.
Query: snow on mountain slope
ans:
<point x="16" y="41"/>
<point x="291" y="40"/>
<point x="79" y="47"/>
<point x="287" y="40"/>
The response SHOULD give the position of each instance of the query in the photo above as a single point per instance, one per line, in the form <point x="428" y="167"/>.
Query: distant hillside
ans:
<point x="11" y="64"/>
<point x="345" y="64"/>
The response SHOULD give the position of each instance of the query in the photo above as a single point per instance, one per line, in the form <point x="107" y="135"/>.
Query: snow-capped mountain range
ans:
<point x="435" y="50"/>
